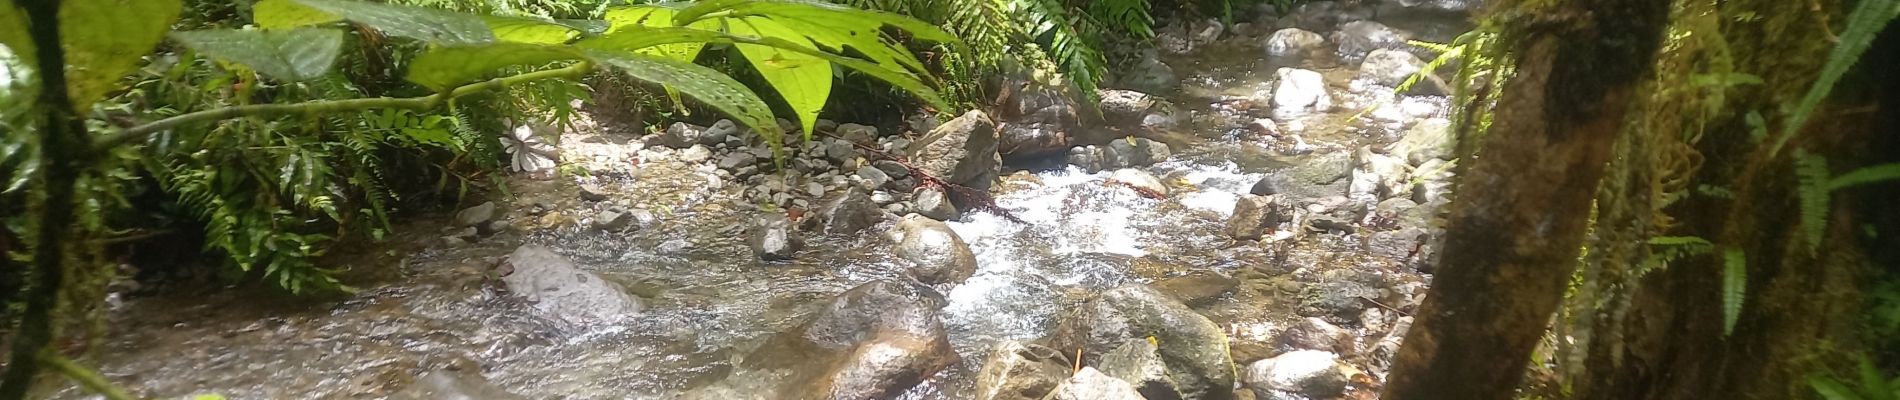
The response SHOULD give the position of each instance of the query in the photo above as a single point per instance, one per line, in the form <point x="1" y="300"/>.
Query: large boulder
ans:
<point x="1389" y="67"/>
<point x="935" y="251"/>
<point x="1310" y="177"/>
<point x="565" y="291"/>
<point x="1125" y="107"/>
<point x="1193" y="348"/>
<point x="1429" y="139"/>
<point x="1092" y="384"/>
<point x="1293" y="43"/>
<point x="1042" y="119"/>
<point x="1359" y="38"/>
<point x="874" y="341"/>
<point x="962" y="151"/>
<point x="1138" y="362"/>
<point x="1298" y="374"/>
<point x="1017" y="371"/>
<point x="772" y="238"/>
<point x="1150" y="75"/>
<point x="1118" y="154"/>
<point x="1255" y="215"/>
<point x="1376" y="176"/>
<point x="1298" y="92"/>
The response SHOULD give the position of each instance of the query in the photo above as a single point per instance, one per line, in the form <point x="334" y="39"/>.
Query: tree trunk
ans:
<point x="1515" y="231"/>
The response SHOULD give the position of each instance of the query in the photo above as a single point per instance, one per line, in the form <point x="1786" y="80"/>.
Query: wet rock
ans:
<point x="962" y="151"/>
<point x="1089" y="158"/>
<point x="696" y="153"/>
<point x="477" y="215"/>
<point x="1315" y="334"/>
<point x="1150" y="75"/>
<point x="1254" y="216"/>
<point x="1141" y="180"/>
<point x="860" y="134"/>
<point x="893" y="169"/>
<point x="1429" y="139"/>
<point x="1173" y="39"/>
<point x="1358" y="38"/>
<point x="1017" y="371"/>
<point x="1138" y="152"/>
<point x="613" y="220"/>
<point x="935" y="251"/>
<point x="1092" y="384"/>
<point x="1311" y="176"/>
<point x="1198" y="287"/>
<point x="772" y="238"/>
<point x="1299" y="92"/>
<point x="737" y="160"/>
<point x="1206" y="31"/>
<point x="873" y="177"/>
<point x="1293" y="43"/>
<point x="1322" y="16"/>
<point x="1339" y="295"/>
<point x="874" y="341"/>
<point x="1389" y="67"/>
<point x="1046" y="120"/>
<point x="674" y="247"/>
<point x="593" y="193"/>
<point x="445" y="385"/>
<point x="1138" y="362"/>
<point x="848" y="212"/>
<point x="1305" y="373"/>
<point x="558" y="287"/>
<point x="934" y="204"/>
<point x="1194" y="348"/>
<point x="1124" y="106"/>
<point x="680" y="135"/>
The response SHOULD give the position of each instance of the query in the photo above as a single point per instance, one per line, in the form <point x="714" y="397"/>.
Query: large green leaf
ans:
<point x="524" y="30"/>
<point x="105" y="39"/>
<point x="446" y="67"/>
<point x="291" y="55"/>
<point x="277" y="14"/>
<point x="804" y="80"/>
<point x="833" y="26"/>
<point x="651" y="16"/>
<point x="636" y="38"/>
<point x="704" y="84"/>
<point x="435" y="26"/>
<point x="13" y="35"/>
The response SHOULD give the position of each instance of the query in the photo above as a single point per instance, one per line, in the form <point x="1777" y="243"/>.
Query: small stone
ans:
<point x="613" y="221"/>
<point x="825" y="125"/>
<point x="1255" y="215"/>
<point x="674" y="246"/>
<point x="719" y="132"/>
<point x="694" y="154"/>
<point x="883" y="197"/>
<point x="1293" y="42"/>
<point x="593" y="193"/>
<point x="858" y="133"/>
<point x="840" y="152"/>
<point x="893" y="169"/>
<point x="476" y="215"/>
<point x="934" y="204"/>
<point x="737" y="160"/>
<point x="873" y="177"/>
<point x="815" y="189"/>
<point x="773" y="239"/>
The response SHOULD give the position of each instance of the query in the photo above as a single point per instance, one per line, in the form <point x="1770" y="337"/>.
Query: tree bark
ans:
<point x="1515" y="232"/>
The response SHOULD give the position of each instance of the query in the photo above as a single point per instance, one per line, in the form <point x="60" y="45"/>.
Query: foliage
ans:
<point x="1873" y="385"/>
<point x="1811" y="187"/>
<point x="1734" y="287"/>
<point x="1865" y="22"/>
<point x="1040" y="34"/>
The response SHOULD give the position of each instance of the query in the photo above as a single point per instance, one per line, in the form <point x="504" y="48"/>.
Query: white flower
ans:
<point x="528" y="151"/>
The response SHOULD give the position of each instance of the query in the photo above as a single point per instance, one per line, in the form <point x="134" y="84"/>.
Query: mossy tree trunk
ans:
<point x="1514" y="233"/>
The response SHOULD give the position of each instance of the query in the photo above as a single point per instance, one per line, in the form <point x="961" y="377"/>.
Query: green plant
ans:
<point x="1873" y="385"/>
<point x="1040" y="34"/>
<point x="1866" y="21"/>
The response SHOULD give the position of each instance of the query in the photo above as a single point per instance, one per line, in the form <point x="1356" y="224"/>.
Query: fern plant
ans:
<point x="1873" y="384"/>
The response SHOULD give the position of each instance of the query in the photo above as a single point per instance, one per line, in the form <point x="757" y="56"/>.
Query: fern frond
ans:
<point x="1812" y="175"/>
<point x="1866" y="21"/>
<point x="1863" y="176"/>
<point x="1734" y="286"/>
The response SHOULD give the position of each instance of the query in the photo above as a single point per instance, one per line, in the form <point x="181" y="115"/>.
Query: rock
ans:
<point x="1298" y="92"/>
<point x="874" y="341"/>
<point x="1141" y="180"/>
<point x="695" y="154"/>
<point x="873" y="177"/>
<point x="1017" y="371"/>
<point x="848" y="212"/>
<point x="472" y="216"/>
<point x="462" y="236"/>
<point x="1293" y="43"/>
<point x="446" y="385"/>
<point x="860" y="134"/>
<point x="737" y="160"/>
<point x="1046" y="120"/>
<point x="840" y="152"/>
<point x="1198" y="287"/>
<point x="1377" y="177"/>
<point x="1150" y="75"/>
<point x="556" y="286"/>
<point x="894" y="169"/>
<point x="1429" y="139"/>
<point x="962" y="151"/>
<point x="772" y="238"/>
<point x="1311" y="176"/>
<point x="1325" y="16"/>
<point x="815" y="189"/>
<point x="1173" y="39"/>
<point x="719" y="132"/>
<point x="1137" y="152"/>
<point x="1405" y="7"/>
<point x="824" y="125"/>
<point x="1315" y="334"/>
<point x="1092" y="384"/>
<point x="680" y="135"/>
<point x="1305" y="373"/>
<point x="613" y="220"/>
<point x="1254" y="215"/>
<point x="1206" y="31"/>
<point x="934" y="204"/>
<point x="1090" y="158"/>
<point x="674" y="246"/>
<point x="1124" y="107"/>
<point x="592" y="193"/>
<point x="1434" y="182"/>
<point x="935" y="251"/>
<point x="1194" y="348"/>
<point x="1138" y="362"/>
<point x="1358" y="38"/>
<point x="1339" y="295"/>
<point x="1389" y="67"/>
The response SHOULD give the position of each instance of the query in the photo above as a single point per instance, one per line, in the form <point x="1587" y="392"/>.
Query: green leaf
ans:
<point x="1872" y="381"/>
<point x="1811" y="173"/>
<point x="430" y="25"/>
<point x="1831" y="389"/>
<point x="1734" y="286"/>
<point x="291" y="55"/>
<point x="525" y="30"/>
<point x="1866" y="21"/>
<point x="623" y="40"/>
<point x="447" y="67"/>
<point x="275" y="14"/>
<point x="704" y="84"/>
<point x="834" y="27"/>
<point x="13" y="35"/>
<point x="105" y="39"/>
<point x="633" y="18"/>
<point x="1874" y="174"/>
<point x="803" y="80"/>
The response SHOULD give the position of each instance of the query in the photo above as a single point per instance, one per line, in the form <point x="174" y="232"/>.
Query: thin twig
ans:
<point x="1382" y="305"/>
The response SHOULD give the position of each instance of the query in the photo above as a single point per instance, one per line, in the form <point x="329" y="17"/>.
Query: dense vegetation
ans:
<point x="1734" y="181"/>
